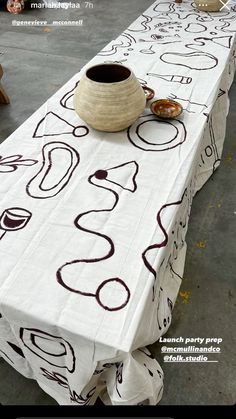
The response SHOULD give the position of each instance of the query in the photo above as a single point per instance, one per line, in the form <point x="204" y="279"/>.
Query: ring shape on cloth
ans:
<point x="150" y="133"/>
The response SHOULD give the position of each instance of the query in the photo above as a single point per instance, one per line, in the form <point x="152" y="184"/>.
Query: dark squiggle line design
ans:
<point x="34" y="187"/>
<point x="86" y="230"/>
<point x="199" y="41"/>
<point x="164" y="24"/>
<point x="11" y="163"/>
<point x="31" y="344"/>
<point x="173" y="14"/>
<point x="104" y="367"/>
<point x="144" y="23"/>
<point x="69" y="128"/>
<point x="6" y="356"/>
<point x="225" y="24"/>
<point x="164" y="242"/>
<point x="155" y="38"/>
<point x="138" y="141"/>
<point x="82" y="400"/>
<point x="100" y="175"/>
<point x="63" y="382"/>
<point x="55" y="376"/>
<point x="67" y="96"/>
<point x="213" y="61"/>
<point x="129" y="40"/>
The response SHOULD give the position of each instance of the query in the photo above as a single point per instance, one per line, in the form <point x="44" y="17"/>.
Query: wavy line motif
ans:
<point x="225" y="25"/>
<point x="102" y="175"/>
<point x="171" y="13"/>
<point x="128" y="41"/>
<point x="144" y="24"/>
<point x="162" y="298"/>
<point x="163" y="243"/>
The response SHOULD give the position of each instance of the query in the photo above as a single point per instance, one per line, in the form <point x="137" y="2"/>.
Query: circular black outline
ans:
<point x="120" y="281"/>
<point x="82" y="135"/>
<point x="147" y="142"/>
<point x="208" y="155"/>
<point x="160" y="120"/>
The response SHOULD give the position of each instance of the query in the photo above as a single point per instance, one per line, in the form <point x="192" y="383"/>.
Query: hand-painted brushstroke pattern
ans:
<point x="131" y="170"/>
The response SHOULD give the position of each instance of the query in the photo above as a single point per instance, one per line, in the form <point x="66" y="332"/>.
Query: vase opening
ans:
<point x="108" y="73"/>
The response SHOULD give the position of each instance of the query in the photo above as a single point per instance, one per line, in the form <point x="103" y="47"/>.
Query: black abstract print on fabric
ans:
<point x="38" y="342"/>
<point x="104" y="179"/>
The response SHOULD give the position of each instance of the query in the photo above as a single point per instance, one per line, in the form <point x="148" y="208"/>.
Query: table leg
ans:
<point x="3" y="96"/>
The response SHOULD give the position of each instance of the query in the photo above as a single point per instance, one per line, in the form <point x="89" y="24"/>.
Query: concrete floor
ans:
<point x="36" y="64"/>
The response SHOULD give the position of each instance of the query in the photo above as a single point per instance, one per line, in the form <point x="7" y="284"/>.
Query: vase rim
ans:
<point x="127" y="73"/>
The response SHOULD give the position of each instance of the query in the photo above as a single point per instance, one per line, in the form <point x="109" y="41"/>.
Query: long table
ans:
<point x="93" y="224"/>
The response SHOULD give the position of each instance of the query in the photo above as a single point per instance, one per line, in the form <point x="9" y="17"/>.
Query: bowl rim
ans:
<point x="108" y="65"/>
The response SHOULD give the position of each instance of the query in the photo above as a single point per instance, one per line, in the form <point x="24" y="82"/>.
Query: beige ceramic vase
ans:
<point x="210" y="5"/>
<point x="109" y="97"/>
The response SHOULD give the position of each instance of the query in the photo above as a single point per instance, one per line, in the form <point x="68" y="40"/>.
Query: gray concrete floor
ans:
<point x="36" y="64"/>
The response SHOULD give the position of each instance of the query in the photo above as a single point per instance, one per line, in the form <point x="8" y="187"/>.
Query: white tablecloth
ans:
<point x="93" y="224"/>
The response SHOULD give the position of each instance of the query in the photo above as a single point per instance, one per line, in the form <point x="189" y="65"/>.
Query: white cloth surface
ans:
<point x="91" y="262"/>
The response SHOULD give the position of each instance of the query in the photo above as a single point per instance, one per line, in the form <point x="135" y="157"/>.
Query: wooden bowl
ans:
<point x="166" y="108"/>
